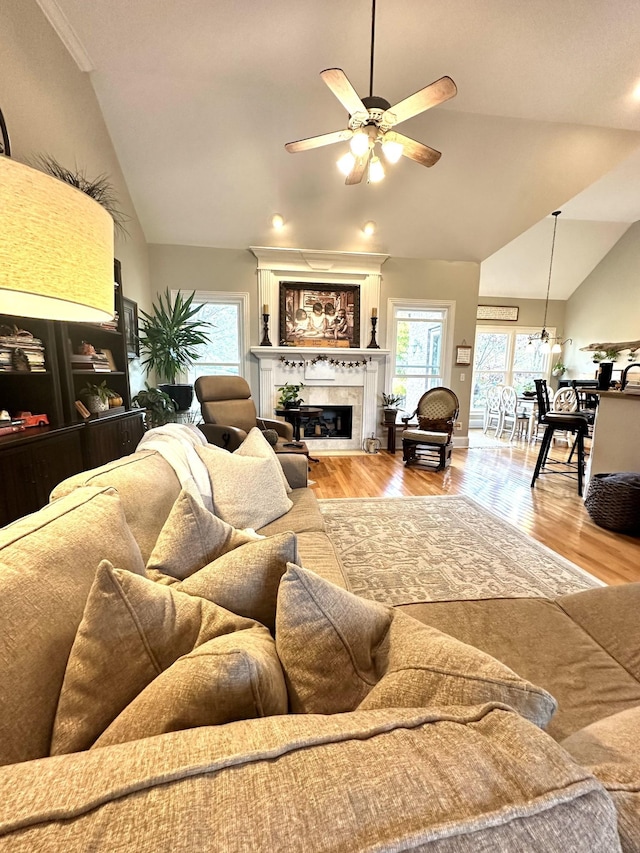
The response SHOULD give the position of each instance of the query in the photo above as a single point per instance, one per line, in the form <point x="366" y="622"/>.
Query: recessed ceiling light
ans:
<point x="369" y="228"/>
<point x="636" y="92"/>
<point x="277" y="220"/>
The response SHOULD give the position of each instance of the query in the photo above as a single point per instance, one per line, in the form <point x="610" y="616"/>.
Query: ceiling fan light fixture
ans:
<point x="359" y="143"/>
<point x="391" y="148"/>
<point x="369" y="228"/>
<point x="346" y="163"/>
<point x="376" y="171"/>
<point x="277" y="221"/>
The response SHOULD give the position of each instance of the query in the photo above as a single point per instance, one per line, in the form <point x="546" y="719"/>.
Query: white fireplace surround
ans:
<point x="324" y="384"/>
<point x="349" y="386"/>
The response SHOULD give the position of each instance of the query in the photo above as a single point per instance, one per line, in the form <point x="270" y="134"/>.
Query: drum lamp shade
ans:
<point x="56" y="248"/>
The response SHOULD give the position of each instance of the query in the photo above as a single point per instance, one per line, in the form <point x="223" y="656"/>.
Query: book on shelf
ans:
<point x="91" y="368"/>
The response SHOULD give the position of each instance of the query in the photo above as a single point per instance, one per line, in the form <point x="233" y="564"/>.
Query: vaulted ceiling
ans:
<point x="200" y="96"/>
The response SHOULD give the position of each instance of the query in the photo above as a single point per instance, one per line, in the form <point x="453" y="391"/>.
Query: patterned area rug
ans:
<point x="408" y="550"/>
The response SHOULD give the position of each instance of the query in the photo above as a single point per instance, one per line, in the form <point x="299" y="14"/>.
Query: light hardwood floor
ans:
<point x="496" y="475"/>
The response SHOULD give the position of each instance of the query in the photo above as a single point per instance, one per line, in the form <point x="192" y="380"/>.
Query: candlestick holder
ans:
<point x="373" y="344"/>
<point x="265" y="342"/>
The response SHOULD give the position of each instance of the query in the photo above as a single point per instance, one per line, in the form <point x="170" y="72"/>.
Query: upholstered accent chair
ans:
<point x="229" y="414"/>
<point x="430" y="443"/>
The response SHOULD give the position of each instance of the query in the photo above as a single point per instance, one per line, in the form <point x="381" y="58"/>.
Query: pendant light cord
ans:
<point x="373" y="34"/>
<point x="556" y="214"/>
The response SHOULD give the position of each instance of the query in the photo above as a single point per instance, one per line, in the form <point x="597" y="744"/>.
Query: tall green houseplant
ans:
<point x="168" y="339"/>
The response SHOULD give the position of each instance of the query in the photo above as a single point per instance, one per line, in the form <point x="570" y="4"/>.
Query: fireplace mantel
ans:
<point x="363" y="378"/>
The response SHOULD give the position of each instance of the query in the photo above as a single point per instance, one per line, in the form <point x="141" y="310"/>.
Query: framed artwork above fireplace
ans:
<point x="315" y="314"/>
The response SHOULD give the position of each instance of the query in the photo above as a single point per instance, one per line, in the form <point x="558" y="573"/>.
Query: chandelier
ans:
<point x="543" y="339"/>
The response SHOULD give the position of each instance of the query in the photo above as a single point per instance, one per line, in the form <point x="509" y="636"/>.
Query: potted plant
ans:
<point x="598" y="356"/>
<point x="289" y="398"/>
<point x="96" y="397"/>
<point x="159" y="408"/>
<point x="168" y="338"/>
<point x="390" y="406"/>
<point x="558" y="369"/>
<point x="611" y="355"/>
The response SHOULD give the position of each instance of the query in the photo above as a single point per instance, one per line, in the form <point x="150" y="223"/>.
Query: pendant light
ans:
<point x="545" y="343"/>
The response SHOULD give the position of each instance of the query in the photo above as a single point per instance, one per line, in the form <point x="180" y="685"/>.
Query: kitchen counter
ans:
<point x="616" y="434"/>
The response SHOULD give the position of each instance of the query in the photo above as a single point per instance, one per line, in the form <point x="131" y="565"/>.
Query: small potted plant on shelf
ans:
<point x="390" y="404"/>
<point x="96" y="397"/>
<point x="169" y="337"/>
<point x="289" y="398"/>
<point x="159" y="408"/>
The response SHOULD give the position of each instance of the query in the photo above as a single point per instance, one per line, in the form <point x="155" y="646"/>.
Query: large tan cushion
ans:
<point x="256" y="445"/>
<point x="339" y="652"/>
<point x="148" y="488"/>
<point x="458" y="780"/>
<point x="610" y="615"/>
<point x="245" y="580"/>
<point x="248" y="491"/>
<point x="538" y="640"/>
<point x="425" y="436"/>
<point x="191" y="537"/>
<point x="610" y="750"/>
<point x="48" y="561"/>
<point x="232" y="677"/>
<point x="131" y="631"/>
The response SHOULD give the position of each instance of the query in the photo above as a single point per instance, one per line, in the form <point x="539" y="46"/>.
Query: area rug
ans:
<point x="408" y="550"/>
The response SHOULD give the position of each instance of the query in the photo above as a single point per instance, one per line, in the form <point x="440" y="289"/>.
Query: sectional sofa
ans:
<point x="173" y="680"/>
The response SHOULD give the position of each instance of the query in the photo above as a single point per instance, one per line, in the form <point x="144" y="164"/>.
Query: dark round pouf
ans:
<point x="613" y="501"/>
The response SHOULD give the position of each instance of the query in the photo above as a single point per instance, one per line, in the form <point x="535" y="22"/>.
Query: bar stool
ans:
<point x="573" y="422"/>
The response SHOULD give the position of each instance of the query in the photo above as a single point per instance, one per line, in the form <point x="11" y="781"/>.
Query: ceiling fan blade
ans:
<point x="318" y="141"/>
<point x="432" y="95"/>
<point x="417" y="151"/>
<point x="359" y="168"/>
<point x="338" y="82"/>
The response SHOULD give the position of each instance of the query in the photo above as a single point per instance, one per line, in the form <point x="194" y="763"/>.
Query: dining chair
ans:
<point x="492" y="410"/>
<point x="509" y="413"/>
<point x="573" y="422"/>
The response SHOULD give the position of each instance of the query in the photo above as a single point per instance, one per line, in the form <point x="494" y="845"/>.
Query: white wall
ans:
<point x="606" y="306"/>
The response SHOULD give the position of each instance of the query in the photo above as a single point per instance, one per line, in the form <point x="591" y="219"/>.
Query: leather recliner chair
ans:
<point x="229" y="413"/>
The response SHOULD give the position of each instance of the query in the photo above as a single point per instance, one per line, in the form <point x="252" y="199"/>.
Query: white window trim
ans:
<point x="476" y="414"/>
<point x="242" y="300"/>
<point x="448" y="325"/>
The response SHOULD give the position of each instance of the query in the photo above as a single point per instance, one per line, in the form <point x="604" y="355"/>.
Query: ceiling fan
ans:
<point x="371" y="120"/>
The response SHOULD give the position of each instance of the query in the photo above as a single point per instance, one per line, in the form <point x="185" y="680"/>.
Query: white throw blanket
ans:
<point x="176" y="443"/>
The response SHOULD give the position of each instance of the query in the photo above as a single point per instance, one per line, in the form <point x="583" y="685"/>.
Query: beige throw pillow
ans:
<point x="232" y="677"/>
<point x="192" y="537"/>
<point x="340" y="652"/>
<point x="245" y="580"/>
<point x="131" y="631"/>
<point x="255" y="444"/>
<point x="247" y="490"/>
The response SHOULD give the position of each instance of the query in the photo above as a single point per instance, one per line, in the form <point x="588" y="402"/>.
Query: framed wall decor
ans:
<point x="313" y="314"/>
<point x="497" y="312"/>
<point x="463" y="355"/>
<point x="130" y="326"/>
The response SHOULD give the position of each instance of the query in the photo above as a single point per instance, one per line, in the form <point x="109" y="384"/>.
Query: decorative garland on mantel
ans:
<point x="336" y="362"/>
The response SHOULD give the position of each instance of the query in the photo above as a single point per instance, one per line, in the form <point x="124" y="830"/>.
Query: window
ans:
<point x="420" y="348"/>
<point x="224" y="354"/>
<point x="504" y="357"/>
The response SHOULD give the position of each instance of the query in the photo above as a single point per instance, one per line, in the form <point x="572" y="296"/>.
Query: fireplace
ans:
<point x="334" y="422"/>
<point x="333" y="389"/>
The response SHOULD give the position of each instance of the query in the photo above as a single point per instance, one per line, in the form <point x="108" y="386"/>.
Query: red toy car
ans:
<point x="29" y="420"/>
